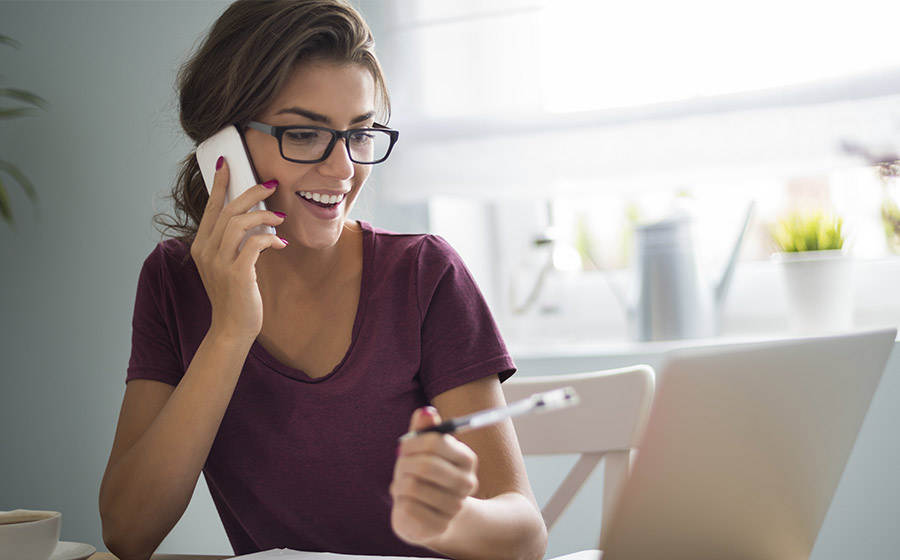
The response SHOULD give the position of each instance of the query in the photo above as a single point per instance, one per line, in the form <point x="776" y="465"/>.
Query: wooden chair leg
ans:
<point x="569" y="487"/>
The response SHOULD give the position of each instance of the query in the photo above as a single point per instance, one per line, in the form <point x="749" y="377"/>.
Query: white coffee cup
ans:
<point x="28" y="534"/>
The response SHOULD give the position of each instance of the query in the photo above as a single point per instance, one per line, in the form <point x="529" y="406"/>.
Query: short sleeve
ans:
<point x="460" y="340"/>
<point x="154" y="351"/>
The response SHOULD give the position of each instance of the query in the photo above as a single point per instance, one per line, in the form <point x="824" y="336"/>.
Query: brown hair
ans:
<point x="248" y="55"/>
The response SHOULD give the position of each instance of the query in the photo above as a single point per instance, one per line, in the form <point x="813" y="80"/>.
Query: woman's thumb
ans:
<point x="424" y="417"/>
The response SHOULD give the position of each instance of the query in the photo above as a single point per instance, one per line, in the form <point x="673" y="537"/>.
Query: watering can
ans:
<point x="671" y="296"/>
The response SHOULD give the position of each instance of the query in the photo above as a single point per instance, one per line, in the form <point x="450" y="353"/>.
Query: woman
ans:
<point x="285" y="368"/>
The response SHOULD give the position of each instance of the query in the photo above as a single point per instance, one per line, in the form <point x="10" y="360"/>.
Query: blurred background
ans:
<point x="535" y="136"/>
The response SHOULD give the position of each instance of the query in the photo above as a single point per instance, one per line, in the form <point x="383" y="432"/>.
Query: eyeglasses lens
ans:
<point x="366" y="145"/>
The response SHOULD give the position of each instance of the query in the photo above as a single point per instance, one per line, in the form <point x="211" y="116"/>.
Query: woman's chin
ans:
<point x="319" y="238"/>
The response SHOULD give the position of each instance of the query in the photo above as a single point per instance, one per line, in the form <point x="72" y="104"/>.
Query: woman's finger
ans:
<point x="236" y="229"/>
<point x="436" y="471"/>
<point x="248" y="199"/>
<point x="216" y="200"/>
<point x="255" y="245"/>
<point x="433" y="500"/>
<point x="233" y="217"/>
<point x="445" y="446"/>
<point x="433" y="481"/>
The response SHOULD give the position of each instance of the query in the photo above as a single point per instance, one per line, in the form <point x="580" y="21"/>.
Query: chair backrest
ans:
<point x="607" y="424"/>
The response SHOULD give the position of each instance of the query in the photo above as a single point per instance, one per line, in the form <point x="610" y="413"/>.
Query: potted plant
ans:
<point x="810" y="249"/>
<point x="889" y="173"/>
<point x="886" y="162"/>
<point x="24" y="103"/>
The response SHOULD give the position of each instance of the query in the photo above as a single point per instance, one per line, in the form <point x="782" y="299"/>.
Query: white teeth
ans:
<point x="322" y="198"/>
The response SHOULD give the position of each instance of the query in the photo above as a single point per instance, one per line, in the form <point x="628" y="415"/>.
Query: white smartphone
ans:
<point x="229" y="143"/>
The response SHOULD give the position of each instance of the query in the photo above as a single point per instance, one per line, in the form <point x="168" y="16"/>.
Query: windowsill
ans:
<point x="592" y="323"/>
<point x="625" y="348"/>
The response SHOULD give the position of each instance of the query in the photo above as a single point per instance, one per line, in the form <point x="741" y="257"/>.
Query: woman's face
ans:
<point x="321" y="94"/>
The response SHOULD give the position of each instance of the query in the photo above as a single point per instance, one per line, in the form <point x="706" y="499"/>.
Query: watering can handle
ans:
<point x="724" y="280"/>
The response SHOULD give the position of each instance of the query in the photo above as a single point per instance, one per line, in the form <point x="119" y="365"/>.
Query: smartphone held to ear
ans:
<point x="229" y="144"/>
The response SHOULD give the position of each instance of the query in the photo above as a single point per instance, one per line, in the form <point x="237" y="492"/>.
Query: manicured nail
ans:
<point x="270" y="184"/>
<point x="283" y="240"/>
<point x="429" y="411"/>
<point x="219" y="162"/>
<point x="280" y="214"/>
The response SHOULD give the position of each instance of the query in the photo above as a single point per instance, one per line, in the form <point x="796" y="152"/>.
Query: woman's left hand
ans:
<point x="433" y="477"/>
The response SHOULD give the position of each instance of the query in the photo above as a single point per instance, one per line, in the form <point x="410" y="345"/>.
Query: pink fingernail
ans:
<point x="283" y="240"/>
<point x="429" y="411"/>
<point x="219" y="163"/>
<point x="280" y="214"/>
<point x="270" y="184"/>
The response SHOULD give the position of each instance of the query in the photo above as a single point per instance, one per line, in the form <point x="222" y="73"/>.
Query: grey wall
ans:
<point x="101" y="159"/>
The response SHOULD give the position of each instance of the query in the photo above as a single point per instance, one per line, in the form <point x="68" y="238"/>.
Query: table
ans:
<point x="109" y="556"/>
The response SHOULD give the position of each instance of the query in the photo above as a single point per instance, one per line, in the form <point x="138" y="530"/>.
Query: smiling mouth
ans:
<point x="322" y="200"/>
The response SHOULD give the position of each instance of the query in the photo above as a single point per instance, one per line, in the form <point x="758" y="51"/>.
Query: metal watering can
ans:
<point x="670" y="295"/>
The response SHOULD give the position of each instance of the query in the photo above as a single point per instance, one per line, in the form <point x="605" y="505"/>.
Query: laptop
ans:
<point x="744" y="447"/>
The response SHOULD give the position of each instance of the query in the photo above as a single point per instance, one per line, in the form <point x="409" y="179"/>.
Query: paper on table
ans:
<point x="288" y="554"/>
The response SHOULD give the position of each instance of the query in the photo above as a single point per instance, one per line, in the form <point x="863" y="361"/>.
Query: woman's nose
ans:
<point x="338" y="163"/>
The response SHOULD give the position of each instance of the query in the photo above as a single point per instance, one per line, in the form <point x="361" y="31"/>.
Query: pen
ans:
<point x="539" y="402"/>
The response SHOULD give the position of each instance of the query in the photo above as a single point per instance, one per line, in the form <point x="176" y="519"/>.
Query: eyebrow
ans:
<point x="317" y="117"/>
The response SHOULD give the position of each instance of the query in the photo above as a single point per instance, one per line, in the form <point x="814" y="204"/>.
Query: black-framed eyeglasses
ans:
<point x="313" y="144"/>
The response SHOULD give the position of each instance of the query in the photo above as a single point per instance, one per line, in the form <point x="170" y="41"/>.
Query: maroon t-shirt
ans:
<point x="305" y="463"/>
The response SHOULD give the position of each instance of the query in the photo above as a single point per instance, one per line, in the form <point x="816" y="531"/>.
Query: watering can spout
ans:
<point x="724" y="281"/>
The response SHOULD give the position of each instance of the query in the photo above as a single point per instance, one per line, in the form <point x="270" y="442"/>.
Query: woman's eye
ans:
<point x="301" y="136"/>
<point x="361" y="138"/>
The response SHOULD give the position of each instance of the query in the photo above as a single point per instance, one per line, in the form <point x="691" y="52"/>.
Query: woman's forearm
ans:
<point x="508" y="526"/>
<point x="149" y="485"/>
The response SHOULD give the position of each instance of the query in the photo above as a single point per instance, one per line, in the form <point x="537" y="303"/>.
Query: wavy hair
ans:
<point x="243" y="63"/>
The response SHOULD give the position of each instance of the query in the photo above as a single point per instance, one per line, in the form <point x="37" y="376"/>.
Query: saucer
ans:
<point x="72" y="551"/>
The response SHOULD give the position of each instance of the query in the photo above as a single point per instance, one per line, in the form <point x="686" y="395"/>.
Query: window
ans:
<point x="513" y="57"/>
<point x="563" y="98"/>
<point x="579" y="113"/>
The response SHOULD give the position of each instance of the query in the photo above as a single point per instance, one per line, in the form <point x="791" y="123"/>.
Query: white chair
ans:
<point x="607" y="424"/>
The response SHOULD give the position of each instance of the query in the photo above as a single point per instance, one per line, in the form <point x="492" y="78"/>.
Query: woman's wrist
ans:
<point x="505" y="526"/>
<point x="226" y="340"/>
<point x="230" y="334"/>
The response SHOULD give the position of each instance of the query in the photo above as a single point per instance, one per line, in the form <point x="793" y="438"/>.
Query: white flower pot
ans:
<point x="819" y="289"/>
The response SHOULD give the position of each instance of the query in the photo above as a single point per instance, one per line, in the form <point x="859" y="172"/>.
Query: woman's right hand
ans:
<point x="228" y="270"/>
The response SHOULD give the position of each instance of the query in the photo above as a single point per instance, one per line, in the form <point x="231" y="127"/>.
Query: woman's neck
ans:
<point x="302" y="268"/>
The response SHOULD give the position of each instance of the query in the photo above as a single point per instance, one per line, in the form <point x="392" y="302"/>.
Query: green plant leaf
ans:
<point x="15" y="113"/>
<point x="5" y="206"/>
<point x="25" y="96"/>
<point x="36" y="102"/>
<point x="26" y="185"/>
<point x="808" y="231"/>
<point x="5" y="40"/>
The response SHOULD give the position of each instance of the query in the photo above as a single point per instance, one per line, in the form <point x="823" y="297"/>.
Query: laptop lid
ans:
<point x="744" y="447"/>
